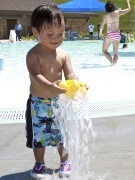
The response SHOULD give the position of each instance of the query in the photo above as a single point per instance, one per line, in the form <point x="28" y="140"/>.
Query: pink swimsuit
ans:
<point x="114" y="35"/>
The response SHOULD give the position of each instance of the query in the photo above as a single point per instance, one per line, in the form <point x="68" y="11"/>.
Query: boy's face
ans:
<point x="51" y="37"/>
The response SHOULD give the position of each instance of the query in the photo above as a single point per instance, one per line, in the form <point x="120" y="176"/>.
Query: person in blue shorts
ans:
<point x="45" y="63"/>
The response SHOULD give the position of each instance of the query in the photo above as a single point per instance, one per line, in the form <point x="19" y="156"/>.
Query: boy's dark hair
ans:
<point x="110" y="7"/>
<point x="45" y="14"/>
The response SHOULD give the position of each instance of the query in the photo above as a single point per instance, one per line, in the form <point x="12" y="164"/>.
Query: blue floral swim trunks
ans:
<point x="42" y="128"/>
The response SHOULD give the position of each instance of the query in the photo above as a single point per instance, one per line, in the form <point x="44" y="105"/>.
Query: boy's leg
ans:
<point x="63" y="154"/>
<point x="65" y="168"/>
<point x="38" y="170"/>
<point x="39" y="154"/>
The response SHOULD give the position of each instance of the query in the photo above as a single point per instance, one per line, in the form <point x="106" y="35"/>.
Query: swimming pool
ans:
<point x="106" y="83"/>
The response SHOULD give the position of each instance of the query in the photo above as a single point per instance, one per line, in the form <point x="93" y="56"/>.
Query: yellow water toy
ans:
<point x="73" y="87"/>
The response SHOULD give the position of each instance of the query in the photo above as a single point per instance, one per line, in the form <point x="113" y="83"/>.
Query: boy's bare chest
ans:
<point x="51" y="66"/>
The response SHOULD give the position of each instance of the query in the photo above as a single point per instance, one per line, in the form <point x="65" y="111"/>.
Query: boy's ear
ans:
<point x="34" y="31"/>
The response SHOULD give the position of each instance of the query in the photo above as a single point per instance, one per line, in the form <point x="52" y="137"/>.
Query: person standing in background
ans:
<point x="98" y="26"/>
<point x="127" y="37"/>
<point x="91" y="30"/>
<point x="111" y="19"/>
<point x="18" y="28"/>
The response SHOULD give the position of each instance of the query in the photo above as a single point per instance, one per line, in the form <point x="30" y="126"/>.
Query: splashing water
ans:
<point x="77" y="132"/>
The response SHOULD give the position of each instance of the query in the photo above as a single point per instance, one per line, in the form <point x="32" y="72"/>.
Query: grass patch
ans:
<point x="28" y="38"/>
<point x="60" y="1"/>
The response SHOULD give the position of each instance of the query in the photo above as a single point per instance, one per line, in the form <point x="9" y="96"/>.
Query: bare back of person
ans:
<point x="51" y="65"/>
<point x="112" y="21"/>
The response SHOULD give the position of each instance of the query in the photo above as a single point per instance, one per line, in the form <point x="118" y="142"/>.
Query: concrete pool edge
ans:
<point x="97" y="110"/>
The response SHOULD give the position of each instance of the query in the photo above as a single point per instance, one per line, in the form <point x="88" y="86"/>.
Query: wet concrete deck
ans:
<point x="114" y="151"/>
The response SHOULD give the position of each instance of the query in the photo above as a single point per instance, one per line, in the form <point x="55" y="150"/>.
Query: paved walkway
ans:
<point x="114" y="151"/>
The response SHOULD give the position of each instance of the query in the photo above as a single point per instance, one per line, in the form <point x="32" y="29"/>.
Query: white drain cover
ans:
<point x="104" y="109"/>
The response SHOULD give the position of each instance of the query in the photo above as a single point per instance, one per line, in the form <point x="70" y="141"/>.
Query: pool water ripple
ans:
<point x="106" y="83"/>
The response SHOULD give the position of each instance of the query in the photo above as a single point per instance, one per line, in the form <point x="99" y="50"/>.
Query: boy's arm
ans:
<point x="67" y="68"/>
<point x="125" y="11"/>
<point x="33" y="66"/>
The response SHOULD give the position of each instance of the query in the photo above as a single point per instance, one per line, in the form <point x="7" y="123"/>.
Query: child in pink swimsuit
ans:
<point x="111" y="19"/>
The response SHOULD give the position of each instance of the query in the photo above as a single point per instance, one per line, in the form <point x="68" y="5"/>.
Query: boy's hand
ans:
<point x="56" y="89"/>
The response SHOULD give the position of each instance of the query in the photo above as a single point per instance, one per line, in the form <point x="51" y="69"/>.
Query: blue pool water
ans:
<point x="106" y="83"/>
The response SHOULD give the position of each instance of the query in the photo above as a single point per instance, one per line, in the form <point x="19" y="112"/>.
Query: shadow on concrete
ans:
<point x="26" y="175"/>
<point x="17" y="176"/>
